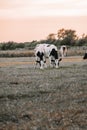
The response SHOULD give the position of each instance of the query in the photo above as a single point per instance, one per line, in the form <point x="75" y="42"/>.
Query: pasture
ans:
<point x="49" y="99"/>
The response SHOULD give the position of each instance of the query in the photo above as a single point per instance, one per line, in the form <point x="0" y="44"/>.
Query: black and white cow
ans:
<point x="63" y="50"/>
<point x="85" y="56"/>
<point x="43" y="51"/>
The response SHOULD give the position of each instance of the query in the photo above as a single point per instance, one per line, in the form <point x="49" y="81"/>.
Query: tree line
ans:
<point x="64" y="37"/>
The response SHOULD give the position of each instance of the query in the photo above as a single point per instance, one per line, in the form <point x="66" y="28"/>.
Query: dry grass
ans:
<point x="17" y="53"/>
<point x="49" y="99"/>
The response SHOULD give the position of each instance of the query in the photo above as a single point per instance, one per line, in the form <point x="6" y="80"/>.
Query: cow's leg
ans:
<point x="59" y="60"/>
<point x="45" y="65"/>
<point x="56" y="63"/>
<point x="50" y="60"/>
<point x="44" y="60"/>
<point x="41" y="64"/>
<point x="37" y="61"/>
<point x="62" y="53"/>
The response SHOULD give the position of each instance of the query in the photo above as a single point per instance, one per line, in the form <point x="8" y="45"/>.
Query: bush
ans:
<point x="11" y="46"/>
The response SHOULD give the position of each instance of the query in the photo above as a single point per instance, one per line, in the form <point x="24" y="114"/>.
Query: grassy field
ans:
<point x="49" y="99"/>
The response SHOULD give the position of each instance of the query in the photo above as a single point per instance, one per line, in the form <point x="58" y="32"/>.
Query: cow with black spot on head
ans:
<point x="43" y="51"/>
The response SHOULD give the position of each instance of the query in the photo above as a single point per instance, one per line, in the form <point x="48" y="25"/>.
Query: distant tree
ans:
<point x="61" y="34"/>
<point x="82" y="41"/>
<point x="67" y="36"/>
<point x="51" y="36"/>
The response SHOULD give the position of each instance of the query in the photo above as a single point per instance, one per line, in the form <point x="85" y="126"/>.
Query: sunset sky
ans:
<point x="27" y="20"/>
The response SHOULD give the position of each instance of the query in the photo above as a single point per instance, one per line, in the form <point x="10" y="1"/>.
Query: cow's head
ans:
<point x="54" y="58"/>
<point x="54" y="53"/>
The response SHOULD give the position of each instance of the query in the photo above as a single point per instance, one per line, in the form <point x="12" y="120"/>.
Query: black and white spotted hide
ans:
<point x="40" y="59"/>
<point x="44" y="51"/>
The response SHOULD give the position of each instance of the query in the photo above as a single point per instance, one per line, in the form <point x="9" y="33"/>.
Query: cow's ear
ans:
<point x="60" y="59"/>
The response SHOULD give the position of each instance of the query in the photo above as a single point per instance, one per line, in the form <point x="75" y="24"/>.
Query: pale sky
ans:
<point x="27" y="20"/>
